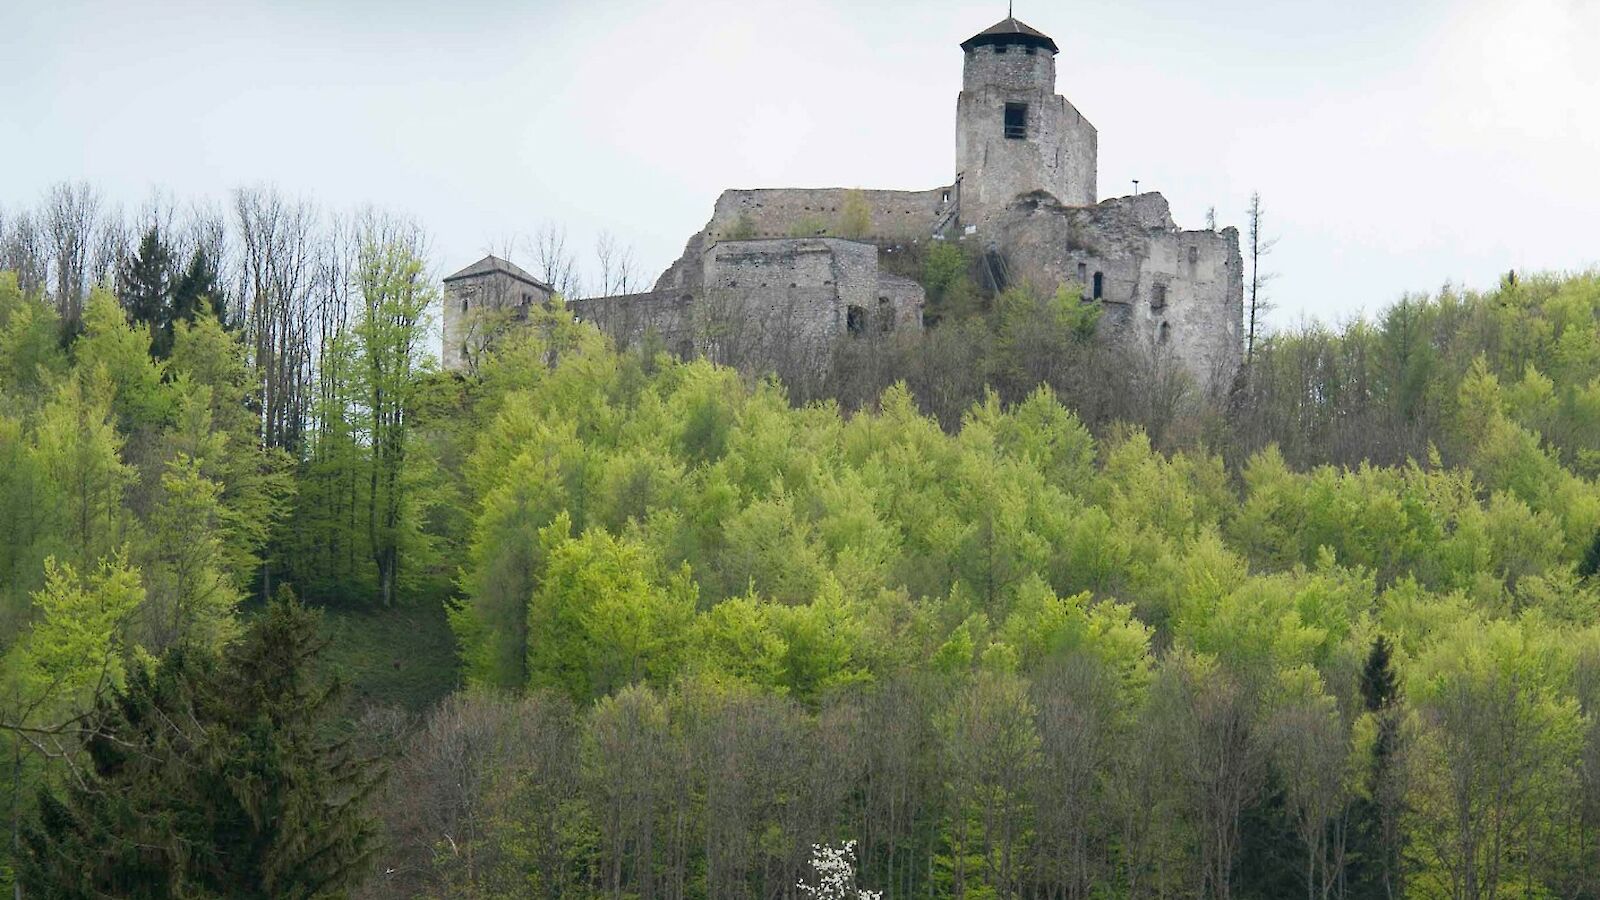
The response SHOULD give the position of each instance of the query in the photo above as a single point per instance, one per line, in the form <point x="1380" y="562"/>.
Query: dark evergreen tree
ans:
<point x="210" y="777"/>
<point x="145" y="285"/>
<point x="197" y="287"/>
<point x="1379" y="689"/>
<point x="1589" y="566"/>
<point x="1375" y="838"/>
<point x="1271" y="856"/>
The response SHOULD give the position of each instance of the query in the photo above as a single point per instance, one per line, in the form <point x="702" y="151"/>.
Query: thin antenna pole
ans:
<point x="1009" y="5"/>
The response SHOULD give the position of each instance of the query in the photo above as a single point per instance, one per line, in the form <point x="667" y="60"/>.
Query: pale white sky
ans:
<point x="1397" y="145"/>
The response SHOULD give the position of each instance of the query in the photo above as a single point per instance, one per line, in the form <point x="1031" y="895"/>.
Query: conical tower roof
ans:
<point x="1010" y="31"/>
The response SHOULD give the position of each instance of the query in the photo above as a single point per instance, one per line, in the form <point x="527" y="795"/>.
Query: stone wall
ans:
<point x="775" y="304"/>
<point x="780" y="303"/>
<point x="777" y="212"/>
<point x="630" y="318"/>
<point x="900" y="302"/>
<point x="1058" y="154"/>
<point x="1168" y="293"/>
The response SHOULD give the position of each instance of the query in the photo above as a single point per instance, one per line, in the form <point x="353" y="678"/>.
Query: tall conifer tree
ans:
<point x="207" y="777"/>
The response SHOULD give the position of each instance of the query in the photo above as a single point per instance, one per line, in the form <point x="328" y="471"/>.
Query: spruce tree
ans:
<point x="194" y="287"/>
<point x="145" y="285"/>
<point x="1375" y="838"/>
<point x="1589" y="566"/>
<point x="209" y="776"/>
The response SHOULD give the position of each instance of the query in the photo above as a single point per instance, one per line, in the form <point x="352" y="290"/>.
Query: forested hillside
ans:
<point x="1018" y="614"/>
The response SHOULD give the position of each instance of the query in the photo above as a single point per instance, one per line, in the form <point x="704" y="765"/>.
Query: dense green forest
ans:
<point x="1020" y="614"/>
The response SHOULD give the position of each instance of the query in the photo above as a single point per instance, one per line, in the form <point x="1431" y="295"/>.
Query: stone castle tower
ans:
<point x="1014" y="133"/>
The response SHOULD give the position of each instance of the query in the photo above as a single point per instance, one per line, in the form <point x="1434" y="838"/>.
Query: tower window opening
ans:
<point x="463" y="304"/>
<point x="1164" y="333"/>
<point x="1158" y="296"/>
<point x="1099" y="285"/>
<point x="1016" y="120"/>
<point x="855" y="322"/>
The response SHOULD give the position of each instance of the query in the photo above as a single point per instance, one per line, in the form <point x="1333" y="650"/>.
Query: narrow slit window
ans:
<point x="463" y="304"/>
<point x="1099" y="285"/>
<point x="855" y="320"/>
<point x="1158" y="296"/>
<point x="1016" y="120"/>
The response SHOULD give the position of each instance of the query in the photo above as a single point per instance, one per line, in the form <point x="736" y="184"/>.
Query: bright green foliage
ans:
<point x="122" y="352"/>
<point x="77" y="643"/>
<point x="192" y="590"/>
<point x="30" y="349"/>
<point x="77" y="446"/>
<point x="599" y="620"/>
<point x="390" y="331"/>
<point x="855" y="215"/>
<point x="952" y="295"/>
<point x="1340" y="632"/>
<point x="1506" y="736"/>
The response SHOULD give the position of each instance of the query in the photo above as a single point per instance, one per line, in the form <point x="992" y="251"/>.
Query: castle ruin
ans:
<point x="779" y="275"/>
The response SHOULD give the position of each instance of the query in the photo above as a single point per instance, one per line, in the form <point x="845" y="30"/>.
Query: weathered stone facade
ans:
<point x="481" y="298"/>
<point x="778" y="275"/>
<point x="1166" y="292"/>
<point x="1014" y="133"/>
<point x="778" y="303"/>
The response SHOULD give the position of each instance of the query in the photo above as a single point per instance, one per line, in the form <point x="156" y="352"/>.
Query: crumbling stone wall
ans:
<point x="774" y="304"/>
<point x="900" y="302"/>
<point x="776" y="212"/>
<point x="1058" y="154"/>
<point x="1168" y="293"/>
<point x="772" y="213"/>
<point x="781" y="302"/>
<point x="630" y="318"/>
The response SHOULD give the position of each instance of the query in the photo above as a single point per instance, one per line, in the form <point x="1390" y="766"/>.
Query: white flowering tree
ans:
<point x="833" y="874"/>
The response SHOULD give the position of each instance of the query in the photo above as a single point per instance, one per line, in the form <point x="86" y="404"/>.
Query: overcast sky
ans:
<point x="1397" y="145"/>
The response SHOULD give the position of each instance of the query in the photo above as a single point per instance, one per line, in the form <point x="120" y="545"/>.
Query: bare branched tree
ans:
<point x="278" y="270"/>
<point x="1260" y="246"/>
<point x="23" y="250"/>
<point x="71" y="220"/>
<point x="556" y="265"/>
<point x="617" y="274"/>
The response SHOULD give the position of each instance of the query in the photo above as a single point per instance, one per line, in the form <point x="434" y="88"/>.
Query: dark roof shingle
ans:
<point x="1010" y="31"/>
<point x="491" y="264"/>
